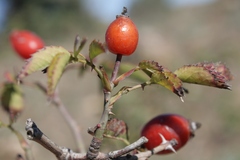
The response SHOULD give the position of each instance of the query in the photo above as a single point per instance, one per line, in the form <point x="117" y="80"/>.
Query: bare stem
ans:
<point x="67" y="116"/>
<point x="71" y="122"/>
<point x="138" y="143"/>
<point x="135" y="87"/>
<point x="116" y="67"/>
<point x="63" y="153"/>
<point x="96" y="142"/>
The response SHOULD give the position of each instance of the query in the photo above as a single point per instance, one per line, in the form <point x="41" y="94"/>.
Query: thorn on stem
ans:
<point x="181" y="98"/>
<point x="143" y="86"/>
<point x="98" y="125"/>
<point x="185" y="90"/>
<point x="170" y="146"/>
<point x="92" y="130"/>
<point x="111" y="113"/>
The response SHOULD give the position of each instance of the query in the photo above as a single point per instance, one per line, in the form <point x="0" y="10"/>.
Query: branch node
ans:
<point x="94" y="147"/>
<point x="66" y="153"/>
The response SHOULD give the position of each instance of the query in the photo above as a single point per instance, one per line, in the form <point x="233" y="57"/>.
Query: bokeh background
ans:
<point x="173" y="33"/>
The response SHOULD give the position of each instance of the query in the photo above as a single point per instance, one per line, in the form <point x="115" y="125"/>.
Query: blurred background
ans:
<point x="172" y="32"/>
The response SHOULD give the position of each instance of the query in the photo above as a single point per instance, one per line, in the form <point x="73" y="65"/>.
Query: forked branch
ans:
<point x="63" y="153"/>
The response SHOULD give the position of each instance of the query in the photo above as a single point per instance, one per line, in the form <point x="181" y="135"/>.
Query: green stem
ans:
<point x="107" y="96"/>
<point x="95" y="68"/>
<point x="105" y="115"/>
<point x="100" y="127"/>
<point x="96" y="142"/>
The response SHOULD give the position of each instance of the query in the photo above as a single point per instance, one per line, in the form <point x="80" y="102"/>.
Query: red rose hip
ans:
<point x="122" y="36"/>
<point x="25" y="43"/>
<point x="171" y="126"/>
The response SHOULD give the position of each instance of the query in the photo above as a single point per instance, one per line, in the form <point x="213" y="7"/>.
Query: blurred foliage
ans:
<point x="46" y="17"/>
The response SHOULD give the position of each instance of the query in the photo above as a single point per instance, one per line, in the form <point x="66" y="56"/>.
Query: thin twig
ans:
<point x="116" y="67"/>
<point x="67" y="116"/>
<point x="138" y="143"/>
<point x="93" y="151"/>
<point x="25" y="146"/>
<point x="122" y="91"/>
<point x="71" y="122"/>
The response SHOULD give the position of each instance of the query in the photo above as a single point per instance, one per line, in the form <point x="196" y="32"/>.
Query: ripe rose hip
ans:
<point x="122" y="36"/>
<point x="25" y="43"/>
<point x="151" y="132"/>
<point x="171" y="126"/>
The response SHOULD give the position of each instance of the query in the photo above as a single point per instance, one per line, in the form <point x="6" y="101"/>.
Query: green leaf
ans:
<point x="162" y="76"/>
<point x="96" y="48"/>
<point x="117" y="129"/>
<point x="206" y="73"/>
<point x="12" y="100"/>
<point x="41" y="60"/>
<point x="56" y="69"/>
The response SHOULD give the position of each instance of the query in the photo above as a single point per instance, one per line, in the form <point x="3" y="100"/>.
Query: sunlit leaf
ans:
<point x="117" y="129"/>
<point x="162" y="76"/>
<point x="206" y="73"/>
<point x="96" y="48"/>
<point x="41" y="60"/>
<point x="56" y="69"/>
